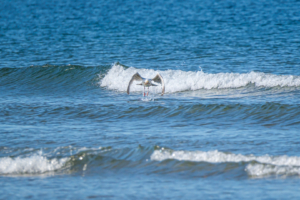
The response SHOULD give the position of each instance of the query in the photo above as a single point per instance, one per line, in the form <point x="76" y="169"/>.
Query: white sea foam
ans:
<point x="262" y="170"/>
<point x="118" y="77"/>
<point x="264" y="165"/>
<point x="35" y="164"/>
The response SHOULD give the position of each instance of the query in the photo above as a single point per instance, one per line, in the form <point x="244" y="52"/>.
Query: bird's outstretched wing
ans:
<point x="135" y="77"/>
<point x="158" y="79"/>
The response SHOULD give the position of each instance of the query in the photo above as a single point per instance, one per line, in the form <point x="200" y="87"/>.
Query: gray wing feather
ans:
<point x="135" y="77"/>
<point x="158" y="79"/>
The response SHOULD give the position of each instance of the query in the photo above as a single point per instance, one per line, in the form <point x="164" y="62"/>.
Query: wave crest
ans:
<point x="35" y="164"/>
<point x="118" y="77"/>
<point x="256" y="166"/>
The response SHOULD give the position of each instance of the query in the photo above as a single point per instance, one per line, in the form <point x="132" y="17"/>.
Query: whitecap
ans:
<point x="34" y="164"/>
<point x="118" y="77"/>
<point x="257" y="166"/>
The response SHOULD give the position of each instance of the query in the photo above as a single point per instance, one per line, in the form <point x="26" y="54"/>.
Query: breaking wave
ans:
<point x="35" y="164"/>
<point x="148" y="160"/>
<point x="118" y="77"/>
<point x="255" y="166"/>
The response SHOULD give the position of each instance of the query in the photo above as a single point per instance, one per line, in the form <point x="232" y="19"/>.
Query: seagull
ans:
<point x="147" y="82"/>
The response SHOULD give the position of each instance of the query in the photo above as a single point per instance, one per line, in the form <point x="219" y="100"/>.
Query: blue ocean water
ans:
<point x="227" y="126"/>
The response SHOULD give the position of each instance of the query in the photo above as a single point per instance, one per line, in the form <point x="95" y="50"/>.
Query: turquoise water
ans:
<point x="226" y="128"/>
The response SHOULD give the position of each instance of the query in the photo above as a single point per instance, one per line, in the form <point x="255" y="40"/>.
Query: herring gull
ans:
<point x="147" y="82"/>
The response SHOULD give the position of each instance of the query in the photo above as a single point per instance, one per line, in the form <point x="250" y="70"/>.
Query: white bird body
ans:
<point x="147" y="82"/>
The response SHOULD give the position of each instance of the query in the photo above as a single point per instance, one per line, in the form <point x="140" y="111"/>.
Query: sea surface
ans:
<point x="227" y="126"/>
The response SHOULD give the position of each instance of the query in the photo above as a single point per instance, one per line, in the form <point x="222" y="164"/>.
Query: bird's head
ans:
<point x="147" y="82"/>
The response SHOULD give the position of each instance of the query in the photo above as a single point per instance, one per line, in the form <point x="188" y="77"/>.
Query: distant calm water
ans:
<point x="227" y="127"/>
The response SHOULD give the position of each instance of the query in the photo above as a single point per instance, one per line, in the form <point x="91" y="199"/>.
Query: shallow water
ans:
<point x="226" y="128"/>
